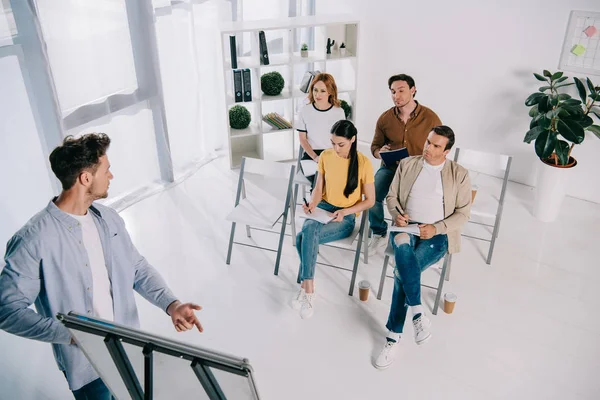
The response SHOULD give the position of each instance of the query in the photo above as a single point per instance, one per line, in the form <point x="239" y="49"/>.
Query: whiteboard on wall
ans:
<point x="578" y="40"/>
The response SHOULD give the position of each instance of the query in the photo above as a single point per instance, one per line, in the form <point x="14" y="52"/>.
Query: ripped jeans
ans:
<point x="413" y="256"/>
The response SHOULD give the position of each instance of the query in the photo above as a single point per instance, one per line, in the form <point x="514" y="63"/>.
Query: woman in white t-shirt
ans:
<point x="318" y="116"/>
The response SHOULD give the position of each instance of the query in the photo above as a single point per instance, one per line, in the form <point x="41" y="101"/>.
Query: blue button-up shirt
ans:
<point x="47" y="265"/>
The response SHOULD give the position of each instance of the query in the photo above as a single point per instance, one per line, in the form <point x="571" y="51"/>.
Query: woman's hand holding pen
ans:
<point x="308" y="208"/>
<point x="402" y="219"/>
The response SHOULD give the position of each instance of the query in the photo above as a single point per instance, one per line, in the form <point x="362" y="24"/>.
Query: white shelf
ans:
<point x="252" y="130"/>
<point x="260" y="140"/>
<point x="231" y="101"/>
<point x="287" y="23"/>
<point x="243" y="63"/>
<point x="269" y="130"/>
<point x="285" y="95"/>
<point x="236" y="158"/>
<point x="313" y="56"/>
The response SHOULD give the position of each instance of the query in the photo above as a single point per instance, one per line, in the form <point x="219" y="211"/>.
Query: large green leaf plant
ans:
<point x="559" y="122"/>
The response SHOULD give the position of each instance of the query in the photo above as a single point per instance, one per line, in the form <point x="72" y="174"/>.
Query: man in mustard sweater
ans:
<point x="435" y="193"/>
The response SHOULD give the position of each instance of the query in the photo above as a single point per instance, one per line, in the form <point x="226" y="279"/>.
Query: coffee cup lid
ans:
<point x="450" y="297"/>
<point x="364" y="284"/>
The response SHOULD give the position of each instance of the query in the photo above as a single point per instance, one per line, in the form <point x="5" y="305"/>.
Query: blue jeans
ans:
<point x="95" y="390"/>
<point x="383" y="180"/>
<point x="314" y="233"/>
<point x="412" y="258"/>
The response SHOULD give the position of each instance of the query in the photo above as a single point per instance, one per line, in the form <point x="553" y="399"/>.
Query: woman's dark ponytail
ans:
<point x="347" y="129"/>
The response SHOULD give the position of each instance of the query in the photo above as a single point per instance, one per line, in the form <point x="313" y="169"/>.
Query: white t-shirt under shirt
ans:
<point x="317" y="124"/>
<point x="102" y="294"/>
<point x="425" y="202"/>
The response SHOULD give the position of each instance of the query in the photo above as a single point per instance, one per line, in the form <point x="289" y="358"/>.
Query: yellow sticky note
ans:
<point x="578" y="50"/>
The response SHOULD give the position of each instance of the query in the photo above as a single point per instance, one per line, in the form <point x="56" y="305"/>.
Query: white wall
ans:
<point x="472" y="62"/>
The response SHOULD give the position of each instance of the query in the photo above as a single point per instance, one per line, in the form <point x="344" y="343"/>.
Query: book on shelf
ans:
<point x="237" y="85"/>
<point x="247" y="84"/>
<point x="264" y="53"/>
<point x="276" y="121"/>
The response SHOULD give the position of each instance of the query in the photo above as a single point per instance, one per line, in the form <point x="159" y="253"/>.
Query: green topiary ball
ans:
<point x="239" y="117"/>
<point x="272" y="83"/>
<point x="347" y="108"/>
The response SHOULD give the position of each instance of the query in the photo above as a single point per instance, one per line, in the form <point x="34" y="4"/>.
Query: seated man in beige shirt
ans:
<point x="435" y="193"/>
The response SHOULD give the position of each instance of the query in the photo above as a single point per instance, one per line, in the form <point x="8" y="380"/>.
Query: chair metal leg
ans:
<point x="366" y="239"/>
<point x="447" y="260"/>
<point x="448" y="272"/>
<point x="231" y="236"/>
<point x="383" y="273"/>
<point x="355" y="268"/>
<point x="293" y="220"/>
<point x="361" y="235"/>
<point x="280" y="246"/>
<point x="248" y="233"/>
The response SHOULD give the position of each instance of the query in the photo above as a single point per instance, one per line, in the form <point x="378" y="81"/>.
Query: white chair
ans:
<point x="262" y="211"/>
<point x="489" y="175"/>
<point x="353" y="243"/>
<point x="445" y="262"/>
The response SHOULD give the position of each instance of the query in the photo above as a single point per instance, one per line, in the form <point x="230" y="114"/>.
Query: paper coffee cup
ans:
<point x="363" y="290"/>
<point x="449" y="302"/>
<point x="473" y="192"/>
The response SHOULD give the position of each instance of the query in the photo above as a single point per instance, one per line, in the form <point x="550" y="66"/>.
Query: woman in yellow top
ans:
<point x="345" y="176"/>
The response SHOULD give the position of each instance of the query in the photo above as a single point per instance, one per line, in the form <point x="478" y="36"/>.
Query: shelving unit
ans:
<point x="284" y="38"/>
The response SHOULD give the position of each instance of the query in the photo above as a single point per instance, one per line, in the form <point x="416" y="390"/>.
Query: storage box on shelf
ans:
<point x="269" y="135"/>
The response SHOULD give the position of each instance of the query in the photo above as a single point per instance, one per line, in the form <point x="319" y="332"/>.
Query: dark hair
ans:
<point x="446" y="132"/>
<point x="402" y="77"/>
<point x="347" y="129"/>
<point x="76" y="155"/>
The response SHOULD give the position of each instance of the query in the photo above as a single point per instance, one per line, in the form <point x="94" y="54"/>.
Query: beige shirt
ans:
<point x="457" y="196"/>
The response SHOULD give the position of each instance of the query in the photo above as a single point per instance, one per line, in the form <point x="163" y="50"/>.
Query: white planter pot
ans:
<point x="550" y="191"/>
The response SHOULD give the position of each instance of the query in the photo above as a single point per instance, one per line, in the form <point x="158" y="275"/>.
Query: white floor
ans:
<point x="523" y="328"/>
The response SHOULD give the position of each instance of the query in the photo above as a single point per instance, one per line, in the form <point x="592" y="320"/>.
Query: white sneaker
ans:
<point x="307" y="309"/>
<point x="298" y="299"/>
<point x="378" y="243"/>
<point x="387" y="355"/>
<point x="422" y="327"/>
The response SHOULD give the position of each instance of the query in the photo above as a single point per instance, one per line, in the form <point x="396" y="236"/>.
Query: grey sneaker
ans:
<point x="387" y="355"/>
<point x="422" y="327"/>
<point x="378" y="243"/>
<point x="298" y="299"/>
<point x="307" y="309"/>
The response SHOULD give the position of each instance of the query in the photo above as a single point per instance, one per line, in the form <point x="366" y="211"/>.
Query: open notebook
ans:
<point x="411" y="228"/>
<point x="318" y="214"/>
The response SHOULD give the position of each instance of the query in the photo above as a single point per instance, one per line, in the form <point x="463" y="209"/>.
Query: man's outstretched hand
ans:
<point x="183" y="316"/>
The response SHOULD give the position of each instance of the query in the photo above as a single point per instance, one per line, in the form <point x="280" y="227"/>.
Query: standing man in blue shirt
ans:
<point x="77" y="256"/>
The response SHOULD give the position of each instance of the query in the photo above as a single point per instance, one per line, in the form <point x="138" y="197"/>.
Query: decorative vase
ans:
<point x="304" y="53"/>
<point x="551" y="189"/>
<point x="342" y="52"/>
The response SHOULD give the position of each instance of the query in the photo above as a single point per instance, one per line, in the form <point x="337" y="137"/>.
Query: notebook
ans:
<point x="390" y="158"/>
<point x="318" y="215"/>
<point x="410" y="228"/>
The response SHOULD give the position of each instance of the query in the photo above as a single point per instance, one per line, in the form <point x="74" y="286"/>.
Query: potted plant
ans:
<point x="304" y="50"/>
<point x="239" y="117"/>
<point x="272" y="83"/>
<point x="347" y="108"/>
<point x="342" y="49"/>
<point x="558" y="123"/>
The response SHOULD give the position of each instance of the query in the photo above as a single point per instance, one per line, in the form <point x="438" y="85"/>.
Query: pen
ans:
<point x="306" y="203"/>
<point x="400" y="212"/>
